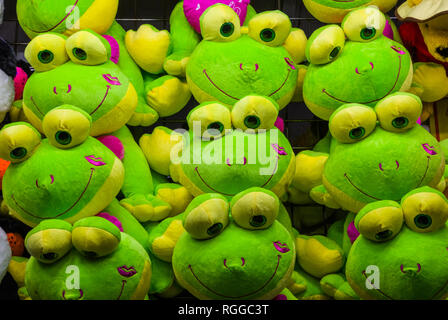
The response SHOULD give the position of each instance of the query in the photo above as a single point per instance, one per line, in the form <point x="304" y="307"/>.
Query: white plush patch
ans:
<point x="7" y="92"/>
<point x="5" y="254"/>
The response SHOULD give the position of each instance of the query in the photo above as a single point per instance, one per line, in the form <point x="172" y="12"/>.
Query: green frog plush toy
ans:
<point x="69" y="176"/>
<point x="158" y="94"/>
<point x="227" y="53"/>
<point x="210" y="246"/>
<point x="401" y="252"/>
<point x="225" y="151"/>
<point x="92" y="244"/>
<point x="81" y="70"/>
<point x="375" y="154"/>
<point x="354" y="63"/>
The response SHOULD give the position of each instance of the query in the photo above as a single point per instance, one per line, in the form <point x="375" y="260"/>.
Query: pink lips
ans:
<point x="126" y="271"/>
<point x="418" y="266"/>
<point x="290" y="63"/>
<point x="281" y="247"/>
<point x="397" y="49"/>
<point x="428" y="149"/>
<point x="112" y="80"/>
<point x="95" y="161"/>
<point x="280" y="150"/>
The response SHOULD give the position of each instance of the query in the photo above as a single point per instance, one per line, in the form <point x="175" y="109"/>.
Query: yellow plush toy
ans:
<point x="425" y="34"/>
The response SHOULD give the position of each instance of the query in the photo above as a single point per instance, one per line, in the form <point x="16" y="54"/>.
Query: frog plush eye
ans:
<point x="212" y="119"/>
<point x="255" y="113"/>
<point x="220" y="23"/>
<point x="271" y="28"/>
<point x="95" y="237"/>
<point x="46" y="52"/>
<point x="364" y="25"/>
<point x="66" y="126"/>
<point x="425" y="209"/>
<point x="206" y="216"/>
<point x="352" y="122"/>
<point x="380" y="221"/>
<point x="255" y="208"/>
<point x="18" y="141"/>
<point x="50" y="240"/>
<point x="399" y="112"/>
<point x="88" y="48"/>
<point x="325" y="44"/>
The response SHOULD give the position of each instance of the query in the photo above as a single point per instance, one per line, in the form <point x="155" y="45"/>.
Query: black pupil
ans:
<point x="216" y="126"/>
<point x="267" y="35"/>
<point x="45" y="56"/>
<point x="18" y="153"/>
<point x="252" y="122"/>
<point x="258" y="221"/>
<point x="80" y="54"/>
<point x="334" y="52"/>
<point x="423" y="221"/>
<point x="383" y="235"/>
<point x="357" y="132"/>
<point x="214" y="229"/>
<point x="367" y="33"/>
<point x="227" y="29"/>
<point x="400" y="122"/>
<point x="63" y="137"/>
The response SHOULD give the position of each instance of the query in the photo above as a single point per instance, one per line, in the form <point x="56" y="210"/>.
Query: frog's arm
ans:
<point x="309" y="169"/>
<point x="321" y="195"/>
<point x="167" y="94"/>
<point x="184" y="40"/>
<point x="137" y="187"/>
<point x="305" y="287"/>
<point x="17" y="268"/>
<point x="319" y="255"/>
<point x="337" y="287"/>
<point x="430" y="81"/>
<point x="163" y="236"/>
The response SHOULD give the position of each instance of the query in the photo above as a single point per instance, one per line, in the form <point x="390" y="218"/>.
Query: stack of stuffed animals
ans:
<point x="205" y="210"/>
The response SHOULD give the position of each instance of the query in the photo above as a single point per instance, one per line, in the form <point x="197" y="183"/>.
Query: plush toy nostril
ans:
<point x="443" y="51"/>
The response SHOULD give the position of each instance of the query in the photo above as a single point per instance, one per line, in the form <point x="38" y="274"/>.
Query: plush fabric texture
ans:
<point x="410" y="266"/>
<point x="329" y="11"/>
<point x="19" y="83"/>
<point x="37" y="17"/>
<point x="193" y="10"/>
<point x="3" y="166"/>
<point x="388" y="172"/>
<point x="5" y="254"/>
<point x="220" y="268"/>
<point x="371" y="70"/>
<point x="57" y="192"/>
<point x="125" y="274"/>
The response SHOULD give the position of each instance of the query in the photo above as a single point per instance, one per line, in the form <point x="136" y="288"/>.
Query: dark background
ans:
<point x="302" y="128"/>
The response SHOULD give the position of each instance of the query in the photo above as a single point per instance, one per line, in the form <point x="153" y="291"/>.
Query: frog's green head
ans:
<point x="232" y="62"/>
<point x="237" y="250"/>
<point x="80" y="70"/>
<point x="67" y="176"/>
<point x="380" y="153"/>
<point x="122" y="272"/>
<point x="65" y="16"/>
<point x="334" y="11"/>
<point x="362" y="69"/>
<point x="228" y="151"/>
<point x="399" y="255"/>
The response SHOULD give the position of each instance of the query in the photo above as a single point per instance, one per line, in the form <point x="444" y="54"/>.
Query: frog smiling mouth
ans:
<point x="375" y="100"/>
<point x="231" y="195"/>
<point x="81" y="292"/>
<point x="92" y="170"/>
<point x="390" y="298"/>
<point x="242" y="296"/>
<point x="60" y="22"/>
<point x="368" y="195"/>
<point x="91" y="113"/>
<point x="232" y="97"/>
